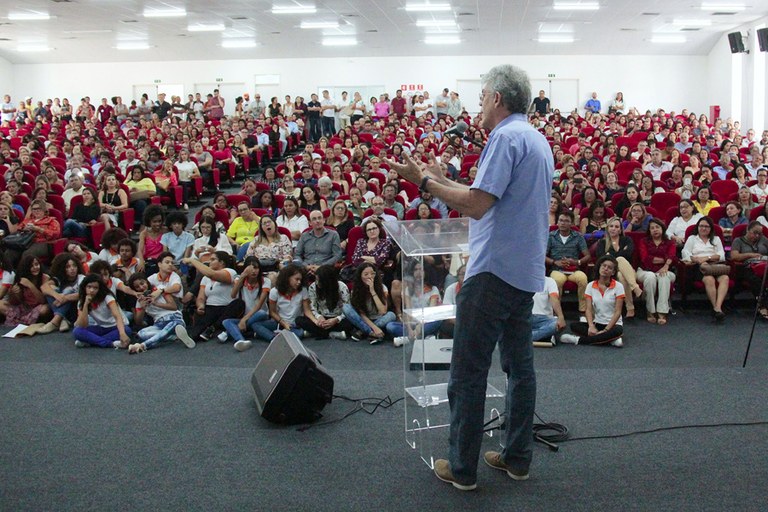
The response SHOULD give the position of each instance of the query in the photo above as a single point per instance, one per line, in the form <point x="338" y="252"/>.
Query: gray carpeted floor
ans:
<point x="177" y="429"/>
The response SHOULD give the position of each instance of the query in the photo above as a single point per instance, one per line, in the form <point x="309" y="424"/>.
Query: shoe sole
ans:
<point x="511" y="475"/>
<point x="242" y="347"/>
<point x="457" y="485"/>
<point x="182" y="334"/>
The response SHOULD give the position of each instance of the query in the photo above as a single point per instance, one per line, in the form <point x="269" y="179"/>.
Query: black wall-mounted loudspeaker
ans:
<point x="290" y="383"/>
<point x="762" y="39"/>
<point x="736" y="42"/>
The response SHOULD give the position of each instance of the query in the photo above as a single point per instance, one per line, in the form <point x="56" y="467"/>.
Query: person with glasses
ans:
<point x="44" y="227"/>
<point x="704" y="248"/>
<point x="750" y="252"/>
<point x="243" y="229"/>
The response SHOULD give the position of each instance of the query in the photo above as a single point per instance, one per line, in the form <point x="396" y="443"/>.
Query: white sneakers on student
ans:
<point x="243" y="345"/>
<point x="181" y="333"/>
<point x="618" y="343"/>
<point x="570" y="339"/>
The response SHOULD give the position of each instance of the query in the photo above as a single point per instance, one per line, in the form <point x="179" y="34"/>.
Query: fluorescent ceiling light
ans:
<point x="293" y="9"/>
<point x="692" y="23"/>
<point x="555" y="38"/>
<point x="576" y="6"/>
<point x="442" y="40"/>
<point x="172" y="12"/>
<point x="94" y="31"/>
<point x="28" y="16"/>
<point x="42" y="47"/>
<point x="427" y="7"/>
<point x="132" y="45"/>
<point x="203" y="27"/>
<point x="556" y="28"/>
<point x="707" y="6"/>
<point x="319" y="24"/>
<point x="668" y="39"/>
<point x="339" y="41"/>
<point x="238" y="43"/>
<point x="435" y="23"/>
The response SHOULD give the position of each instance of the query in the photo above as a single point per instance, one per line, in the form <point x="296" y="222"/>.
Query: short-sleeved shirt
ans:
<point x="742" y="245"/>
<point x="241" y="231"/>
<point x="541" y="303"/>
<point x="156" y="282"/>
<point x="177" y="244"/>
<point x="216" y="292"/>
<point x="572" y="247"/>
<point x="510" y="241"/>
<point x="102" y="316"/>
<point x="604" y="303"/>
<point x="6" y="278"/>
<point x="69" y="288"/>
<point x="250" y="295"/>
<point x="289" y="307"/>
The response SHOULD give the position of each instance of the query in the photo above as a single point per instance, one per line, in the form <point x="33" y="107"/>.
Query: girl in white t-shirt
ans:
<point x="605" y="298"/>
<point x="253" y="288"/>
<point x="214" y="300"/>
<point x="61" y="292"/>
<point x="100" y="322"/>
<point x="287" y="300"/>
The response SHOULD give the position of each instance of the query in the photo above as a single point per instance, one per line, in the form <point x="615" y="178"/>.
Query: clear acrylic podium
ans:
<point x="426" y="359"/>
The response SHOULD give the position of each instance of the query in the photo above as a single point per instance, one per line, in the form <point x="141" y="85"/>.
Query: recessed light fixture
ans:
<point x="206" y="27"/>
<point x="238" y="43"/>
<point x="427" y="7"/>
<point x="319" y="24"/>
<point x="171" y="12"/>
<point x="33" y="47"/>
<point x="711" y="6"/>
<point x="132" y="45"/>
<point x="28" y="16"/>
<point x="555" y="38"/>
<point x="576" y="6"/>
<point x="442" y="40"/>
<point x="668" y="39"/>
<point x="339" y="41"/>
<point x="435" y="23"/>
<point x="691" y="23"/>
<point x="293" y="9"/>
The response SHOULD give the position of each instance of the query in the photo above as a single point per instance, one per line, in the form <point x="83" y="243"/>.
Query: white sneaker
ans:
<point x="338" y="335"/>
<point x="64" y="326"/>
<point x="243" y="345"/>
<point x="399" y="341"/>
<point x="80" y="344"/>
<point x="582" y="318"/>
<point x="570" y="339"/>
<point x="618" y="342"/>
<point x="554" y="340"/>
<point x="222" y="337"/>
<point x="181" y="333"/>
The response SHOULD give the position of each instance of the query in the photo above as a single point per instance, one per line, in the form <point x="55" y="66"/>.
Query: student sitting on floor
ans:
<point x="604" y="300"/>
<point x="156" y="299"/>
<point x="253" y="287"/>
<point x="126" y="260"/>
<point x="287" y="300"/>
<point x="100" y="322"/>
<point x="62" y="292"/>
<point x="327" y="298"/>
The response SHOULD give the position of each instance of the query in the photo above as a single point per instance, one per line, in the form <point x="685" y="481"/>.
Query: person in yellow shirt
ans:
<point x="142" y="188"/>
<point x="244" y="227"/>
<point x="704" y="201"/>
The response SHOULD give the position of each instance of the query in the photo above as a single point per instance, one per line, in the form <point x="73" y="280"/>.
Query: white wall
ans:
<point x="6" y="77"/>
<point x="673" y="82"/>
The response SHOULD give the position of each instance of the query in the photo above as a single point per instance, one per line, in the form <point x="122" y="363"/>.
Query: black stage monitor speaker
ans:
<point x="290" y="383"/>
<point x="736" y="42"/>
<point x="762" y="39"/>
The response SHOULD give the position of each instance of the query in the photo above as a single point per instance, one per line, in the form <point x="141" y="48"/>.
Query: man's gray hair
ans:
<point x="513" y="85"/>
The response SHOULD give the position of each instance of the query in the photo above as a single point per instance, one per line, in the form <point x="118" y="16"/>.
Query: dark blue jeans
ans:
<point x="490" y="311"/>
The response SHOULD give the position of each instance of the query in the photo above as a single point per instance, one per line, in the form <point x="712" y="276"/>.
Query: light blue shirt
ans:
<point x="177" y="245"/>
<point x="510" y="240"/>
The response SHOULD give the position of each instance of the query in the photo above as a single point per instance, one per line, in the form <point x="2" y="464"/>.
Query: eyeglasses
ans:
<point x="368" y="230"/>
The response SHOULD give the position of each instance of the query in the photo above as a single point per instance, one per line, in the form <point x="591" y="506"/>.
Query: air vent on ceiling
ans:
<point x="5" y="39"/>
<point x="651" y="13"/>
<point x="62" y="1"/>
<point x="628" y="29"/>
<point x="70" y="37"/>
<point x="129" y="21"/>
<point x="238" y="18"/>
<point x="465" y="14"/>
<point x="350" y="15"/>
<point x="181" y="35"/>
<point x="469" y="29"/>
<point x="690" y="29"/>
<point x="372" y="31"/>
<point x="275" y="33"/>
<point x="724" y="13"/>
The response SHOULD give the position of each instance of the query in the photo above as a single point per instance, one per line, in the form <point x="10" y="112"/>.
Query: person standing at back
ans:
<point x="508" y="207"/>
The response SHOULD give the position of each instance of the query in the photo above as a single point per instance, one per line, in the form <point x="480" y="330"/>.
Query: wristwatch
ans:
<point x="423" y="185"/>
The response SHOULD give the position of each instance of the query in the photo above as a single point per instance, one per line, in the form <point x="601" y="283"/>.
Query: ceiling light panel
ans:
<point x="28" y="16"/>
<point x="576" y="6"/>
<point x="339" y="41"/>
<point x="427" y="7"/>
<point x="442" y="40"/>
<point x="555" y="38"/>
<point x="206" y="27"/>
<point x="294" y="9"/>
<point x="719" y="6"/>
<point x="164" y="12"/>
<point x="319" y="24"/>
<point x="691" y="23"/>
<point x="238" y="43"/>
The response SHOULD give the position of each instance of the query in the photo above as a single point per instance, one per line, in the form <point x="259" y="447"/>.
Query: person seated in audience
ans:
<point x="210" y="240"/>
<point x="187" y="170"/>
<point x="658" y="255"/>
<point x="249" y="189"/>
<point x="75" y="187"/>
<point x="253" y="287"/>
<point x="142" y="190"/>
<point x="732" y="218"/>
<point x="594" y="224"/>
<point x="637" y="219"/>
<point x="356" y="205"/>
<point x="100" y="322"/>
<point x="741" y="176"/>
<point x="113" y="200"/>
<point x="745" y="201"/>
<point x="704" y="249"/>
<point x="150" y="239"/>
<point x="272" y="248"/>
<point x="42" y="194"/>
<point x="449" y="298"/>
<point x="214" y="301"/>
<point x="210" y="212"/>
<point x="25" y="303"/>
<point x="325" y="316"/>
<point x="177" y="241"/>
<point x="337" y="177"/>
<point x="367" y="308"/>
<point x="245" y="225"/>
<point x="566" y="252"/>
<point x="704" y="201"/>
<point x="291" y="218"/>
<point x="157" y="299"/>
<point x="204" y="164"/>
<point x="7" y="277"/>
<point x="688" y="216"/>
<point x="622" y="248"/>
<point x="287" y="300"/>
<point x="289" y="188"/>
<point x="432" y="202"/>
<point x="8" y="221"/>
<point x="377" y="205"/>
<point x="126" y="261"/>
<point x="555" y="208"/>
<point x="318" y="246"/>
<point x="750" y="252"/>
<point x="631" y="196"/>
<point x="266" y="201"/>
<point x="111" y="277"/>
<point x="547" y="317"/>
<point x="656" y="166"/>
<point x="271" y="179"/>
<point x="418" y="294"/>
<point x="83" y="216"/>
<point x="325" y="189"/>
<point x="389" y="193"/>
<point x="604" y="299"/>
<point x="339" y="220"/>
<point x="45" y="228"/>
<point x="310" y="200"/>
<point x="647" y="190"/>
<point x="375" y="247"/>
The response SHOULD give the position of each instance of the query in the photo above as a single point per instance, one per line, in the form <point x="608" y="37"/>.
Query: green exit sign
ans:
<point x="219" y="80"/>
<point x="551" y="75"/>
<point x="158" y="81"/>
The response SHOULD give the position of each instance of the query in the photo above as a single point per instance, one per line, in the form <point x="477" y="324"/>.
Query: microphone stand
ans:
<point x="754" y="320"/>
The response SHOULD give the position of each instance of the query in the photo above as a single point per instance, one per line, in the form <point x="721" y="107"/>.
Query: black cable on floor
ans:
<point x="368" y="405"/>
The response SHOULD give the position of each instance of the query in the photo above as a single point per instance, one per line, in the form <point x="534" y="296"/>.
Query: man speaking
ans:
<point x="507" y="205"/>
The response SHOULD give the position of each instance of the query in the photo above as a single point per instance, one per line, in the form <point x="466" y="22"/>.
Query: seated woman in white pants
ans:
<point x="622" y="248"/>
<point x="658" y="254"/>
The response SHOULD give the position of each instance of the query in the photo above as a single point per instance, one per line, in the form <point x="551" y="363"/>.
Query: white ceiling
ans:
<point x="89" y="30"/>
